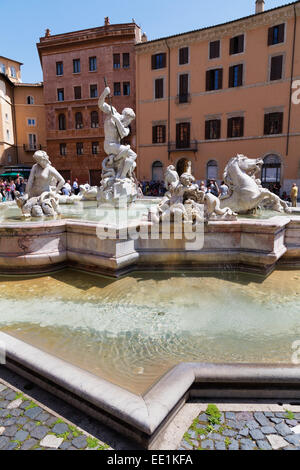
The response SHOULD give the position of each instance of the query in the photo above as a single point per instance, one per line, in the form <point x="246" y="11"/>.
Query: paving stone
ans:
<point x="291" y="422"/>
<point x="11" y="446"/>
<point x="247" y="444"/>
<point x="296" y="429"/>
<point x="21" y="436"/>
<point x="207" y="444"/>
<point x="67" y="444"/>
<point x="29" y="444"/>
<point x="229" y="433"/>
<point x="277" y="420"/>
<point x="22" y="420"/>
<point x="203" y="417"/>
<point x="234" y="445"/>
<point x="51" y="441"/>
<point x="79" y="442"/>
<point x="216" y="437"/>
<point x="256" y="434"/>
<point x="230" y="415"/>
<point x="283" y="429"/>
<point x="268" y="430"/>
<point x="220" y="445"/>
<point x="187" y="445"/>
<point x="4" y="403"/>
<point x="14" y="404"/>
<point x="290" y="448"/>
<point x="264" y="445"/>
<point x="269" y="414"/>
<point x="201" y="426"/>
<point x="10" y="396"/>
<point x="25" y="404"/>
<point x="297" y="415"/>
<point x="44" y="416"/>
<point x="280" y="415"/>
<point x="244" y="432"/>
<point x="10" y="431"/>
<point x="29" y="426"/>
<point x="39" y="432"/>
<point x="252" y="424"/>
<point x="61" y="428"/>
<point x="2" y="388"/>
<point x="51" y="421"/>
<point x="16" y="412"/>
<point x="244" y="416"/>
<point x="33" y="412"/>
<point x="9" y="421"/>
<point x="235" y="424"/>
<point x="5" y="413"/>
<point x="262" y="419"/>
<point x="277" y="442"/>
<point x="4" y="441"/>
<point x="293" y="439"/>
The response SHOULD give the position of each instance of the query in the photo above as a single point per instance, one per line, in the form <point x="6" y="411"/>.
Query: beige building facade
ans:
<point x="206" y="95"/>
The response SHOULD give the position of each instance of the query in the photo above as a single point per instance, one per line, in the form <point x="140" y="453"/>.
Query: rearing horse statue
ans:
<point x="246" y="192"/>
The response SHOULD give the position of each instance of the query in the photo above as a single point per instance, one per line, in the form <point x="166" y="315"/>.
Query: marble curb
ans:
<point x="144" y="418"/>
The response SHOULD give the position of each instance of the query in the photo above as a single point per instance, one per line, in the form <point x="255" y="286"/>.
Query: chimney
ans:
<point x="47" y="33"/>
<point x="260" y="6"/>
<point x="144" y="37"/>
<point x="106" y="21"/>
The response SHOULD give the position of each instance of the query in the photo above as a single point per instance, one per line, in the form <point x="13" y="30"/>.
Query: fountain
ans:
<point x="124" y="307"/>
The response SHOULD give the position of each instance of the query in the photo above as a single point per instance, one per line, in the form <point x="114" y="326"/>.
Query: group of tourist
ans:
<point x="8" y="188"/>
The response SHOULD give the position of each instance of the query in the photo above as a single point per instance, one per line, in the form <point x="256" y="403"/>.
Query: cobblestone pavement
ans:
<point x="25" y="424"/>
<point x="215" y="430"/>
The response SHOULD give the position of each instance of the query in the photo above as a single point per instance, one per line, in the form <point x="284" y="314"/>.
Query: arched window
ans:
<point x="212" y="170"/>
<point x="157" y="171"/>
<point x="271" y="171"/>
<point x="30" y="100"/>
<point x="94" y="119"/>
<point x="62" y="122"/>
<point x="183" y="166"/>
<point x="78" y="121"/>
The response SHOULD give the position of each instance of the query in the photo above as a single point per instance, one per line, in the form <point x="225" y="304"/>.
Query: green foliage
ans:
<point x="289" y="415"/>
<point x="227" y="442"/>
<point x="92" y="443"/>
<point x="31" y="405"/>
<point x="214" y="414"/>
<point x="20" y="396"/>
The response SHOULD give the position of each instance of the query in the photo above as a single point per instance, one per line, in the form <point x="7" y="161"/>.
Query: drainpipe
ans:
<point x="169" y="97"/>
<point x="291" y="85"/>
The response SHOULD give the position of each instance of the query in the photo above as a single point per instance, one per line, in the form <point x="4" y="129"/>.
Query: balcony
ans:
<point x="191" y="146"/>
<point x="183" y="98"/>
<point x="31" y="148"/>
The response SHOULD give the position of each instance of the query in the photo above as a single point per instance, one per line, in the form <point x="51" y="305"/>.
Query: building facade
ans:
<point x="22" y="118"/>
<point x="206" y="95"/>
<point x="74" y="67"/>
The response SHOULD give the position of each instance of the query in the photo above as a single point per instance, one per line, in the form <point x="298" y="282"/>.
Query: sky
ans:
<point x="26" y="21"/>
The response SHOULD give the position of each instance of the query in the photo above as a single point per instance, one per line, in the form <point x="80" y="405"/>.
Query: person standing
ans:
<point x="294" y="195"/>
<point x="75" y="187"/>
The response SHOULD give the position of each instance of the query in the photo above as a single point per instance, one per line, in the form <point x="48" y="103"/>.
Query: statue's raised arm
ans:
<point x="105" y="107"/>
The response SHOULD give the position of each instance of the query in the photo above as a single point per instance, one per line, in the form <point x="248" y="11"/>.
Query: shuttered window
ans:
<point x="214" y="49"/>
<point x="159" y="88"/>
<point x="183" y="55"/>
<point x="159" y="134"/>
<point x="213" y="129"/>
<point x="159" y="61"/>
<point x="236" y="76"/>
<point x="276" y="68"/>
<point x="214" y="79"/>
<point x="237" y="44"/>
<point x="117" y="89"/>
<point x="126" y="60"/>
<point x="183" y="88"/>
<point x="77" y="92"/>
<point x="235" y="127"/>
<point x="276" y="34"/>
<point x="183" y="135"/>
<point x="273" y="123"/>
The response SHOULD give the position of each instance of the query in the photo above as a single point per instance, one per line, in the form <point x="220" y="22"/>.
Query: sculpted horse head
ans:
<point x="241" y="168"/>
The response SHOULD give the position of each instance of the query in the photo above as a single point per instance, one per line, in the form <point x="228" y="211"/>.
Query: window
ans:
<point x="126" y="88"/>
<point x="183" y="56"/>
<point x="32" y="141"/>
<point x="94" y="119"/>
<point x="7" y="135"/>
<point x="212" y="170"/>
<point x="31" y="122"/>
<point x="13" y="72"/>
<point x="159" y="61"/>
<point x="95" y="148"/>
<point x="159" y="88"/>
<point x="63" y="149"/>
<point x="62" y="122"/>
<point x="79" y="148"/>
<point x="30" y="100"/>
<point x="126" y="60"/>
<point x="183" y="88"/>
<point x="276" y="34"/>
<point x="237" y="44"/>
<point x="183" y="135"/>
<point x="273" y="123"/>
<point x="159" y="134"/>
<point x="60" y="94"/>
<point x="235" y="127"/>
<point x="78" y="121"/>
<point x="157" y="171"/>
<point x="214" y="49"/>
<point x="117" y="61"/>
<point x="214" y="79"/>
<point x="76" y="66"/>
<point x="2" y="68"/>
<point x="93" y="91"/>
<point x="236" y="76"/>
<point x="117" y="89"/>
<point x="59" y="68"/>
<point x="93" y="64"/>
<point x="276" y="68"/>
<point x="212" y="129"/>
<point x="77" y="92"/>
<point x="271" y="171"/>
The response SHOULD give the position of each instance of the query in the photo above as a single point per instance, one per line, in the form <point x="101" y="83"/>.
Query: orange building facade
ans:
<point x="206" y="95"/>
<point x="74" y="67"/>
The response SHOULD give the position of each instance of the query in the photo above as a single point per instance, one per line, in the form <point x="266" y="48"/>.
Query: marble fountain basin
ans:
<point x="128" y="330"/>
